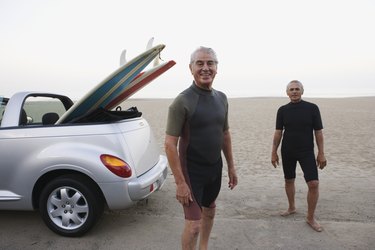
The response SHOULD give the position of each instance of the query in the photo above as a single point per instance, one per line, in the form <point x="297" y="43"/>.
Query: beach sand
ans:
<point x="248" y="216"/>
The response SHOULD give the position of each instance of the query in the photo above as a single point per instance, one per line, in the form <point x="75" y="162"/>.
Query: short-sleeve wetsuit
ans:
<point x="199" y="117"/>
<point x="299" y="120"/>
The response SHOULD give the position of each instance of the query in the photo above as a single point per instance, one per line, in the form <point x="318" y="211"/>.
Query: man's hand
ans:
<point x="183" y="194"/>
<point x="321" y="161"/>
<point x="233" y="180"/>
<point x="275" y="160"/>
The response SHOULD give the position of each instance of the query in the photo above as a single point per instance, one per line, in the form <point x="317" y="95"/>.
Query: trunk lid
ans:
<point x="140" y="143"/>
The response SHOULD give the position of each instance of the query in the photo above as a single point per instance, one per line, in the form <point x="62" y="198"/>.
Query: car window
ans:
<point x="37" y="107"/>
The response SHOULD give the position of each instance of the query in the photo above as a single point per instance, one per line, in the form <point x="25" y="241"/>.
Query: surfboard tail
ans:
<point x="134" y="69"/>
<point x="139" y="82"/>
<point x="106" y="90"/>
<point x="148" y="46"/>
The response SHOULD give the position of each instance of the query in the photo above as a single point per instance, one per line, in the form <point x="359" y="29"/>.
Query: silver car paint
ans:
<point x="27" y="153"/>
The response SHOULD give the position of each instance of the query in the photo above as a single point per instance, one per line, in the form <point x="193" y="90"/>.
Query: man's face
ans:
<point x="204" y="70"/>
<point x="294" y="92"/>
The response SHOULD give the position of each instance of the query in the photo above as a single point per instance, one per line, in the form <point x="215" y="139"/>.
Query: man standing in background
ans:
<point x="300" y="121"/>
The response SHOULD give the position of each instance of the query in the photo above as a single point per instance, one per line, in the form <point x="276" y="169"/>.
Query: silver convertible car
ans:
<point x="70" y="172"/>
<point x="71" y="160"/>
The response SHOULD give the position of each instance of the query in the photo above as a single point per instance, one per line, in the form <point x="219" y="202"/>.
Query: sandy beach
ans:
<point x="248" y="216"/>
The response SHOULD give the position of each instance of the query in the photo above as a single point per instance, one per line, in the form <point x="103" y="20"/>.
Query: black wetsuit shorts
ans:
<point x="306" y="160"/>
<point x="205" y="183"/>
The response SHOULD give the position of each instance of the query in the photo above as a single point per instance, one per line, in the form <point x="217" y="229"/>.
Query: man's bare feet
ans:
<point x="288" y="212"/>
<point x="314" y="225"/>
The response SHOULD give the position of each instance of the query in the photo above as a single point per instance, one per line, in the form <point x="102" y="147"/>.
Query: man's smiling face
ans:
<point x="203" y="69"/>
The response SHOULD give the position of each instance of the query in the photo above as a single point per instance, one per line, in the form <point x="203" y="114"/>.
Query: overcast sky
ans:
<point x="69" y="46"/>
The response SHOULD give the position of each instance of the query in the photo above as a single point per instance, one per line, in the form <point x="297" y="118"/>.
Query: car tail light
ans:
<point x="116" y="165"/>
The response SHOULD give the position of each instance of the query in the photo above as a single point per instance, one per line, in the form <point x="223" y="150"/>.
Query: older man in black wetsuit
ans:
<point x="198" y="124"/>
<point x="300" y="120"/>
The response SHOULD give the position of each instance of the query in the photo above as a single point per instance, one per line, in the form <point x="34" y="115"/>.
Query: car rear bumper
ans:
<point x="149" y="182"/>
<point x="120" y="195"/>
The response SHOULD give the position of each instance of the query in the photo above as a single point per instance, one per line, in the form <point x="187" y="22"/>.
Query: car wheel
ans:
<point x="70" y="206"/>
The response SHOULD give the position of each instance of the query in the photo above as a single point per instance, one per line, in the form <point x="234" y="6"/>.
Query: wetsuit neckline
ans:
<point x="200" y="90"/>
<point x="296" y="103"/>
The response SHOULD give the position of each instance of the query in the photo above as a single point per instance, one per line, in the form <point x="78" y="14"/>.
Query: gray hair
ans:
<point x="205" y="50"/>
<point x="294" y="81"/>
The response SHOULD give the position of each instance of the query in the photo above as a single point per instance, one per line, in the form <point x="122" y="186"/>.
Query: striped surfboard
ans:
<point x="112" y="86"/>
<point x="139" y="82"/>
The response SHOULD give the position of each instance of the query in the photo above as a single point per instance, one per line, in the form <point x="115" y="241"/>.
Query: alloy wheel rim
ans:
<point x="67" y="208"/>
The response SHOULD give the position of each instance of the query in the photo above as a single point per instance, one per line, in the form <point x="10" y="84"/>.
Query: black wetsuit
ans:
<point x="299" y="120"/>
<point x="200" y="117"/>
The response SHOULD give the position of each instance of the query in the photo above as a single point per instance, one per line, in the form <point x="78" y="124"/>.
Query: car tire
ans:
<point x="70" y="205"/>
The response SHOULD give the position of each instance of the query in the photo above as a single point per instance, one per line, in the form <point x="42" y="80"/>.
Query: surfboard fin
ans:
<point x="157" y="60"/>
<point x="123" y="57"/>
<point x="149" y="46"/>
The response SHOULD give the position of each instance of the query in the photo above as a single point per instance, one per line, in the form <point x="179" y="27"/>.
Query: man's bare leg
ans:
<point x="208" y="215"/>
<point x="190" y="234"/>
<point x="290" y="193"/>
<point x="312" y="201"/>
